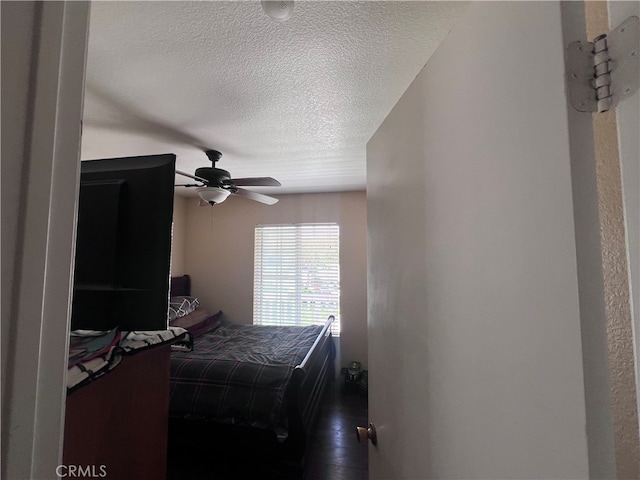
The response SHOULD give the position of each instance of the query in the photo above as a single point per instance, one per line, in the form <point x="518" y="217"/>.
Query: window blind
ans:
<point x="297" y="274"/>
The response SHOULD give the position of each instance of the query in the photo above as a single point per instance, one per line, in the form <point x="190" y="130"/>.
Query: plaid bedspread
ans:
<point x="239" y="374"/>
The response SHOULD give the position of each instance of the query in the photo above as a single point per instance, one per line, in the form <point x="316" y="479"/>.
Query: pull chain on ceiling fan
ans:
<point x="216" y="184"/>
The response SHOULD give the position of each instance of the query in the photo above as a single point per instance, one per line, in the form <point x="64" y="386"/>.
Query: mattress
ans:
<point x="238" y="374"/>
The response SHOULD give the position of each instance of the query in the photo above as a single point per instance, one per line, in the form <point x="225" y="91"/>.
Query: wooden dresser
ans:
<point x="120" y="420"/>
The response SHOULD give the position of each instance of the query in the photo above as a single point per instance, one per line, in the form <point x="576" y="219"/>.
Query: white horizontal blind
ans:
<point x="297" y="274"/>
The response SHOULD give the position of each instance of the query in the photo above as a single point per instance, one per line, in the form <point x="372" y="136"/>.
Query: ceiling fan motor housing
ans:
<point x="214" y="176"/>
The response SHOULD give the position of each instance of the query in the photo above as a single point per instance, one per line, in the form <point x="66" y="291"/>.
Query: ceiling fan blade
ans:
<point x="256" y="182"/>
<point x="258" y="197"/>
<point x="188" y="185"/>
<point x="191" y="176"/>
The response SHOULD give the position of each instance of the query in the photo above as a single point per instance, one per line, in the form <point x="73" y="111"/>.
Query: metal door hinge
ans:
<point x="602" y="73"/>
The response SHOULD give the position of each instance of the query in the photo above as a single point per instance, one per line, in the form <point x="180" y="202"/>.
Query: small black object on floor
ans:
<point x="333" y="452"/>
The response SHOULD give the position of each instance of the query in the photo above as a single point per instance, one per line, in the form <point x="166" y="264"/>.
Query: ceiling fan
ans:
<point x="216" y="184"/>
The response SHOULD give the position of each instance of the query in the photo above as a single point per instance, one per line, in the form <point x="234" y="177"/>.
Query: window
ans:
<point x="297" y="275"/>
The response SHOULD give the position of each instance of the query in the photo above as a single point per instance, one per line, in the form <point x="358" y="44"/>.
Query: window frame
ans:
<point x="290" y="243"/>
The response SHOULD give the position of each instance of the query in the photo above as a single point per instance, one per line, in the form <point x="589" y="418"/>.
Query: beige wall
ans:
<point x="615" y="268"/>
<point x="628" y="123"/>
<point x="179" y="236"/>
<point x="219" y="255"/>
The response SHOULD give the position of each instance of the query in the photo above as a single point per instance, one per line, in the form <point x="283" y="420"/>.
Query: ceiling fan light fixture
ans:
<point x="279" y="11"/>
<point x="215" y="184"/>
<point x="213" y="195"/>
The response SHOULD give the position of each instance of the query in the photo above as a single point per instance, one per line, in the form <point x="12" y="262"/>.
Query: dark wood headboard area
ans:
<point x="181" y="286"/>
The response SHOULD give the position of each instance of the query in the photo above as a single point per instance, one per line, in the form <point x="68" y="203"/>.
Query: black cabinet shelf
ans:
<point x="106" y="288"/>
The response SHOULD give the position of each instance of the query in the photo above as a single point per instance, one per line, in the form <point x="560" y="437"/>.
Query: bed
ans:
<point x="254" y="385"/>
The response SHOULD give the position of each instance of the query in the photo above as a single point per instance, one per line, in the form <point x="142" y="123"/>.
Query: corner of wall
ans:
<point x="179" y="236"/>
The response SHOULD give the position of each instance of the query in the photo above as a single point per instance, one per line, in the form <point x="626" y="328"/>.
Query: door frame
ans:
<point x="35" y="396"/>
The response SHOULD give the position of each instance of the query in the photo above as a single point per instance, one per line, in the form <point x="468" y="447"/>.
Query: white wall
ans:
<point x="179" y="236"/>
<point x="219" y="255"/>
<point x="17" y="46"/>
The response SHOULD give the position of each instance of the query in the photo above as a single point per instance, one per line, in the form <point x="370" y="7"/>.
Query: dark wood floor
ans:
<point x="333" y="452"/>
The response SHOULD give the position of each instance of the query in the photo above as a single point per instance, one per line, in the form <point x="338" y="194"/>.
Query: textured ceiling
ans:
<point x="295" y="100"/>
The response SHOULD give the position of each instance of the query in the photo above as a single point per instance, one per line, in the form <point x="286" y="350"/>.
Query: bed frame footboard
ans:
<point x="305" y="391"/>
<point x="281" y="458"/>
